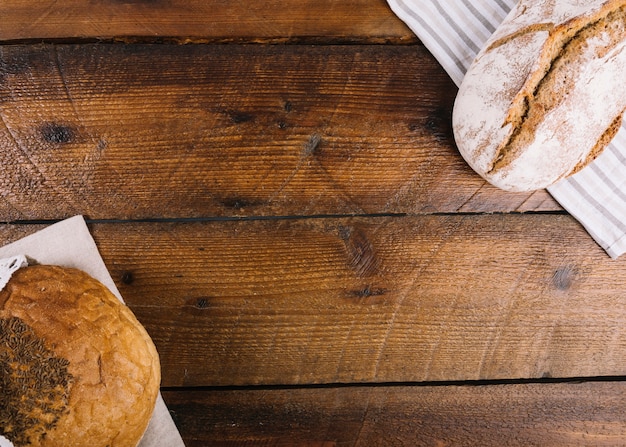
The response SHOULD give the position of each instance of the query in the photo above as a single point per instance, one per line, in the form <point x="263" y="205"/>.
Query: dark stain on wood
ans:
<point x="312" y="146"/>
<point x="362" y="257"/>
<point x="368" y="295"/>
<point x="198" y="306"/>
<point x="202" y="303"/>
<point x="238" y="117"/>
<point x="439" y="123"/>
<point x="102" y="144"/>
<point x="55" y="133"/>
<point x="239" y="203"/>
<point x="564" y="277"/>
<point x="13" y="63"/>
<point x="128" y="278"/>
<point x="368" y="291"/>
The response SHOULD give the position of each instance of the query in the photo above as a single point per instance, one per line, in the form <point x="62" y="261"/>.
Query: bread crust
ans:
<point x="542" y="98"/>
<point x="112" y="366"/>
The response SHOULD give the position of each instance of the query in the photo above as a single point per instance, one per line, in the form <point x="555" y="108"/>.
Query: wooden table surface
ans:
<point x="275" y="188"/>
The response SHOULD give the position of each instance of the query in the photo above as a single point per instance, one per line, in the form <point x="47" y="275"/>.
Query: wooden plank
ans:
<point x="371" y="300"/>
<point x="142" y="131"/>
<point x="201" y="20"/>
<point x="524" y="415"/>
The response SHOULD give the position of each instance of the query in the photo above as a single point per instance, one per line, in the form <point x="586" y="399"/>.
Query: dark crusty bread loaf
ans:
<point x="76" y="367"/>
<point x="546" y="94"/>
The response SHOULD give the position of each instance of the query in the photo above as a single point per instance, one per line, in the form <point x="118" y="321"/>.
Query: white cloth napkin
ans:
<point x="69" y="243"/>
<point x="454" y="31"/>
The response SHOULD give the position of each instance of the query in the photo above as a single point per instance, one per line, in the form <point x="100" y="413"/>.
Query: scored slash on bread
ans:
<point x="545" y="95"/>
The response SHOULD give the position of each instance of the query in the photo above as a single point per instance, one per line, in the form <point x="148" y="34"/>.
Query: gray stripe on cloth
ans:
<point x="489" y="26"/>
<point x="506" y="8"/>
<point x="597" y="205"/>
<point x="609" y="182"/>
<point x="435" y="36"/>
<point x="456" y="28"/>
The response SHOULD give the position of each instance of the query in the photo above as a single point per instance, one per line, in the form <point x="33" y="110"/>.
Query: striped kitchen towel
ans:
<point x="454" y="31"/>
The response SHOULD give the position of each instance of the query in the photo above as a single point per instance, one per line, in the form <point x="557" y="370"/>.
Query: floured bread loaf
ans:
<point x="76" y="367"/>
<point x="546" y="94"/>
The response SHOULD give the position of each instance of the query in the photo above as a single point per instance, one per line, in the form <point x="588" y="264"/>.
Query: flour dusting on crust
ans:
<point x="544" y="92"/>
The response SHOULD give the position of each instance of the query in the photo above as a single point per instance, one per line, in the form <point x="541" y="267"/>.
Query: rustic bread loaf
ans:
<point x="546" y="94"/>
<point x="76" y="367"/>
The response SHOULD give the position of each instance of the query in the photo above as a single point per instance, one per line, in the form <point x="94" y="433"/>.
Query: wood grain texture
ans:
<point x="144" y="131"/>
<point x="202" y="20"/>
<point x="523" y="415"/>
<point x="362" y="300"/>
<point x="221" y="177"/>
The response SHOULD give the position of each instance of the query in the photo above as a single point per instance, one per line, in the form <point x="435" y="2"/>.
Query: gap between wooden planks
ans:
<point x="524" y="415"/>
<point x="356" y="300"/>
